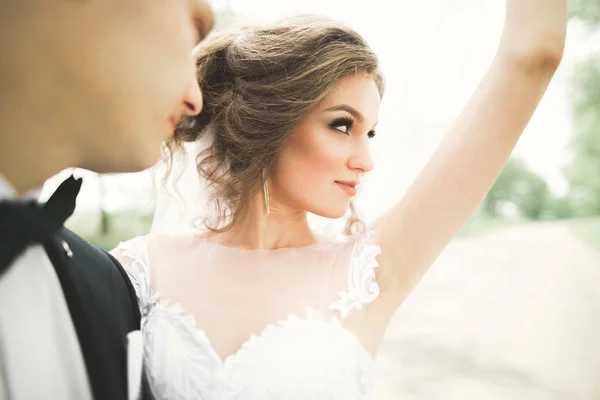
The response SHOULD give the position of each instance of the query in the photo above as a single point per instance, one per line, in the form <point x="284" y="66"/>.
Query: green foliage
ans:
<point x="528" y="192"/>
<point x="533" y="197"/>
<point x="583" y="173"/>
<point x="504" y="186"/>
<point x="519" y="186"/>
<point x="586" y="10"/>
<point x="558" y="208"/>
<point x="123" y="226"/>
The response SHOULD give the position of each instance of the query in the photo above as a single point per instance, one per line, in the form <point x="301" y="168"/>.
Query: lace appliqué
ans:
<point x="183" y="364"/>
<point x="139" y="274"/>
<point x="284" y="340"/>
<point x="362" y="286"/>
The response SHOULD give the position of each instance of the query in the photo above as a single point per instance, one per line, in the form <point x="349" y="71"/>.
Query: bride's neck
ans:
<point x="254" y="229"/>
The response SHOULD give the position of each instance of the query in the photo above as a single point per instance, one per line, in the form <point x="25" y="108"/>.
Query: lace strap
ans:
<point x="133" y="255"/>
<point x="362" y="286"/>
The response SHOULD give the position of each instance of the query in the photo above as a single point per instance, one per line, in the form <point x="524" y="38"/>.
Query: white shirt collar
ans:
<point x="8" y="192"/>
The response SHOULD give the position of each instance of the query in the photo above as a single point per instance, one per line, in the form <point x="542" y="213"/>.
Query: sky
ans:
<point x="433" y="54"/>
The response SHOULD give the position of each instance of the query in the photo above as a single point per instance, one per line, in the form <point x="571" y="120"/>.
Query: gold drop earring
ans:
<point x="266" y="190"/>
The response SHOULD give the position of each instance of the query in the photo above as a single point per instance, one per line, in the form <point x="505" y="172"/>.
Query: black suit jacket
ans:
<point x="104" y="309"/>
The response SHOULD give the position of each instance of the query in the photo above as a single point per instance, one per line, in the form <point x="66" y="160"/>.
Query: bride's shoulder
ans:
<point x="151" y="246"/>
<point x="151" y="240"/>
<point x="169" y="239"/>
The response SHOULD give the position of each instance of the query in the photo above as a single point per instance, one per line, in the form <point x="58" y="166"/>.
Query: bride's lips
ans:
<point x="348" y="186"/>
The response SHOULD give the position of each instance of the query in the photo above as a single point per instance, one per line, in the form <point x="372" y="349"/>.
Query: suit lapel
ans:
<point x="74" y="290"/>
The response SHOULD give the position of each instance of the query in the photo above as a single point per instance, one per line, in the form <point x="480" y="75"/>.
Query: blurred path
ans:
<point x="512" y="314"/>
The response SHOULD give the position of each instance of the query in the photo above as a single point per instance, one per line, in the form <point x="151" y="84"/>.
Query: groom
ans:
<point x="95" y="84"/>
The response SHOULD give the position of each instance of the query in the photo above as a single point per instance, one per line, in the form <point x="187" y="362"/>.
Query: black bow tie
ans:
<point x="26" y="223"/>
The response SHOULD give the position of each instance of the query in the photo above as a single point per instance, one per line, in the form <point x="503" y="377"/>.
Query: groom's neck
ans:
<point x="27" y="160"/>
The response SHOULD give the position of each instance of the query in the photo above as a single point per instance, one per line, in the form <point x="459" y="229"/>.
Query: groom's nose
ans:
<point x="192" y="102"/>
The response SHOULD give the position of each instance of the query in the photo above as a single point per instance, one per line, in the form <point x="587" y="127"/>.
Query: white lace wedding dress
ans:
<point x="222" y="323"/>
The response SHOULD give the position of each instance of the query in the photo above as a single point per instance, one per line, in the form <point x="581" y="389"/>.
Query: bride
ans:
<point x="260" y="307"/>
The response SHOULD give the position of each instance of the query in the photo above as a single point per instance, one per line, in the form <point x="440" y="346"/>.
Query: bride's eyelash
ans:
<point x="347" y="122"/>
<point x="342" y="122"/>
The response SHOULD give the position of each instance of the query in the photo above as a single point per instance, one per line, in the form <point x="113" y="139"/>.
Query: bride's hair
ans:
<point x="257" y="84"/>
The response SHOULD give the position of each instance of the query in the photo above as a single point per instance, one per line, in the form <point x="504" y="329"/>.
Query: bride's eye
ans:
<point x="342" y="124"/>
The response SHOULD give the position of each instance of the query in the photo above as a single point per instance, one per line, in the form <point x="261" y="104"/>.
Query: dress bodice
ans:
<point x="307" y="353"/>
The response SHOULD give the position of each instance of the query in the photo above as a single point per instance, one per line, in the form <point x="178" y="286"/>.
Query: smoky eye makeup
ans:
<point x="342" y="124"/>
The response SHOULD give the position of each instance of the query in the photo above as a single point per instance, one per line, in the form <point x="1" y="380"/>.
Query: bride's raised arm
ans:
<point x="470" y="157"/>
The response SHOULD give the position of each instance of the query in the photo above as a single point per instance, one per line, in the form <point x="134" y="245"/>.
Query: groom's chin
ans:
<point x="130" y="162"/>
<point x="143" y="162"/>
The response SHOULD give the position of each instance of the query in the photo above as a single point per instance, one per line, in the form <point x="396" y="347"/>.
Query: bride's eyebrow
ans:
<point x="351" y="110"/>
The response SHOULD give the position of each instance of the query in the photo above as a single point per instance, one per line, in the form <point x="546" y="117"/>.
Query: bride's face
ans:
<point x="320" y="166"/>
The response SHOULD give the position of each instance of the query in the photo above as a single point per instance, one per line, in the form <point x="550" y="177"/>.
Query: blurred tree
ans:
<point x="503" y="188"/>
<point x="586" y="10"/>
<point x="557" y="208"/>
<point x="532" y="196"/>
<point x="518" y="185"/>
<point x="583" y="173"/>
